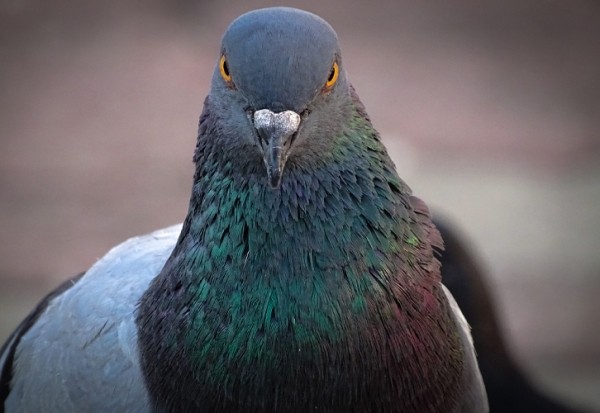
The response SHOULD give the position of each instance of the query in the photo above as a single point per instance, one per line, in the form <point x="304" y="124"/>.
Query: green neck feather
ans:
<point x="307" y="279"/>
<point x="307" y="244"/>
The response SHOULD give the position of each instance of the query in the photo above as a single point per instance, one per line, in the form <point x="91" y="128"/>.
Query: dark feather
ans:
<point x="509" y="389"/>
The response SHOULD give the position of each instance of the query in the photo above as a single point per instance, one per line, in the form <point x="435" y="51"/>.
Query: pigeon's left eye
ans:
<point x="224" y="69"/>
<point x="333" y="76"/>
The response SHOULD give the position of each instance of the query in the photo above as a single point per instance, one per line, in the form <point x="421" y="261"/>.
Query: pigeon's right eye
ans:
<point x="224" y="69"/>
<point x="333" y="76"/>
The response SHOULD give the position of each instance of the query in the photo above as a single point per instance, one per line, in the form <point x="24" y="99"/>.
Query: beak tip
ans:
<point x="274" y="179"/>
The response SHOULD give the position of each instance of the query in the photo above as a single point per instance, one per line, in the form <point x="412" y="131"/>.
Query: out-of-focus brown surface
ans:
<point x="491" y="111"/>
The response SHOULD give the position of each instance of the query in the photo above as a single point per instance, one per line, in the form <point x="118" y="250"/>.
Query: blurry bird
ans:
<point x="508" y="389"/>
<point x="302" y="279"/>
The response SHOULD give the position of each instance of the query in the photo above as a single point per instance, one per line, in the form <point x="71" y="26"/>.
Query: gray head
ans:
<point x="278" y="80"/>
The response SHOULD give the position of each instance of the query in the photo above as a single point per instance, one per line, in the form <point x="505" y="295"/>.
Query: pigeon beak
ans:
<point x="276" y="132"/>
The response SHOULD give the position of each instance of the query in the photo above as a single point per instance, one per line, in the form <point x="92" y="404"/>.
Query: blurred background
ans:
<point x="491" y="111"/>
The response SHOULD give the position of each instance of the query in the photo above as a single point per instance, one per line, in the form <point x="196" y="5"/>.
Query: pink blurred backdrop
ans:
<point x="491" y="111"/>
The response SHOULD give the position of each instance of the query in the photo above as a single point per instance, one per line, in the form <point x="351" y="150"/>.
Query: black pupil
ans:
<point x="225" y="68"/>
<point x="331" y="74"/>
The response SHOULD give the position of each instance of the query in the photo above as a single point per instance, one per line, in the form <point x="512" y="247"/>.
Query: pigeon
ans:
<point x="509" y="389"/>
<point x="303" y="277"/>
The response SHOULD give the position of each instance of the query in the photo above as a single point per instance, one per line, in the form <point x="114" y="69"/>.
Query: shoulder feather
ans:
<point x="79" y="352"/>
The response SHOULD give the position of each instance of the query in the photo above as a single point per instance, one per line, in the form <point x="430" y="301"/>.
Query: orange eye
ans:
<point x="333" y="76"/>
<point x="224" y="69"/>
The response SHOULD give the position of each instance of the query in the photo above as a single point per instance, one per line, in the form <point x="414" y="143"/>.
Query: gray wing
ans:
<point x="7" y="352"/>
<point x="474" y="398"/>
<point x="80" y="354"/>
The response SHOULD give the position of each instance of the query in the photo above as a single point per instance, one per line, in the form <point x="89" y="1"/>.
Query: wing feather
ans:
<point x="79" y="350"/>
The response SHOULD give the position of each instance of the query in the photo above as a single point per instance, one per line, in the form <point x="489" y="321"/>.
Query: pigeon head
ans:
<point x="278" y="79"/>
